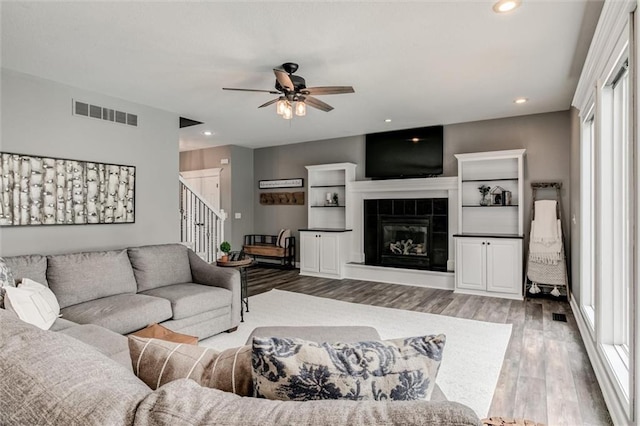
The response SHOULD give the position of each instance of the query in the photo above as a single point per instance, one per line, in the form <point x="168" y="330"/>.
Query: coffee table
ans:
<point x="242" y="266"/>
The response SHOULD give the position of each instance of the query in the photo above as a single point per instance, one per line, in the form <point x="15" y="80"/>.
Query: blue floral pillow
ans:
<point x="299" y="370"/>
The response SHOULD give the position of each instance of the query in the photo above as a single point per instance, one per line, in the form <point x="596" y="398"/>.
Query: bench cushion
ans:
<point x="122" y="313"/>
<point x="81" y="277"/>
<point x="190" y="299"/>
<point x="160" y="265"/>
<point x="264" y="250"/>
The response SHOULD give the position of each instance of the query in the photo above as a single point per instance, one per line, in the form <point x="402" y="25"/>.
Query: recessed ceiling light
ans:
<point x="503" y="6"/>
<point x="388" y="120"/>
<point x="520" y="100"/>
<point x="207" y="133"/>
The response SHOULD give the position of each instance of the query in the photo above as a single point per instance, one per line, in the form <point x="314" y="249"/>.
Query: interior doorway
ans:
<point x="206" y="183"/>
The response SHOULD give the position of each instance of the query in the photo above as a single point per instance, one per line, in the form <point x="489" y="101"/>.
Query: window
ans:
<point x="587" y="190"/>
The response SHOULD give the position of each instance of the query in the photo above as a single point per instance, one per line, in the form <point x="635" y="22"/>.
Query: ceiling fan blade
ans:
<point x="273" y="92"/>
<point x="272" y="101"/>
<point x="284" y="79"/>
<point x="317" y="103"/>
<point x="328" y="90"/>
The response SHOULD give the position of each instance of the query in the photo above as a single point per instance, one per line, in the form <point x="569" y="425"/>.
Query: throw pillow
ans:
<point x="6" y="280"/>
<point x="33" y="302"/>
<point x="299" y="370"/>
<point x="282" y="238"/>
<point x="157" y="362"/>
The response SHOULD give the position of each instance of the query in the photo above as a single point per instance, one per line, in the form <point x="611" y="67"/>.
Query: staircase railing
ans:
<point x="201" y="224"/>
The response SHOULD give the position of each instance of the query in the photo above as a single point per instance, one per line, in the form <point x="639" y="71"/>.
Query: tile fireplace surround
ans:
<point x="439" y="187"/>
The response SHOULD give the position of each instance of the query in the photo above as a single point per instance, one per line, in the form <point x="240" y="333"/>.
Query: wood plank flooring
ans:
<point x="546" y="375"/>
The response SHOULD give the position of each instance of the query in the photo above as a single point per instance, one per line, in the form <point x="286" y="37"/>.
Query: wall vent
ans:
<point x="86" y="109"/>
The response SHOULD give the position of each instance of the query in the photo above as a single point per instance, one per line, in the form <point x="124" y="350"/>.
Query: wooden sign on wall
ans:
<point x="282" y="198"/>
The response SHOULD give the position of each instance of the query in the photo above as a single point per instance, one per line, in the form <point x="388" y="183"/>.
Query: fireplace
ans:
<point x="407" y="233"/>
<point x="403" y="241"/>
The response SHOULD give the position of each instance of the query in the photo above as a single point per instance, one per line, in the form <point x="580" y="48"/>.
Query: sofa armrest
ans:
<point x="185" y="402"/>
<point x="215" y="276"/>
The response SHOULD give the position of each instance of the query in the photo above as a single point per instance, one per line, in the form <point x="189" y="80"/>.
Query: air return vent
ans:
<point x="85" y="109"/>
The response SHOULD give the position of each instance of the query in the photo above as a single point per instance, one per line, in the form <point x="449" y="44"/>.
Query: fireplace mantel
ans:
<point x="438" y="187"/>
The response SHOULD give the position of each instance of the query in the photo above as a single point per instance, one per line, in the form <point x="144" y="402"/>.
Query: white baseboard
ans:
<point x="616" y="408"/>
<point x="411" y="277"/>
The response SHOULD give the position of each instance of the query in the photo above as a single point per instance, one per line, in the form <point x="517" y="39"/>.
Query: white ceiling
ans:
<point x="418" y="63"/>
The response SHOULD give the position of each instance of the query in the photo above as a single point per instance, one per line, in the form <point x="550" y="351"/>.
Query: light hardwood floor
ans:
<point x="546" y="375"/>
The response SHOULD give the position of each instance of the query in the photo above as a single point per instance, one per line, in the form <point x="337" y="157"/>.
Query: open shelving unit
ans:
<point x="489" y="243"/>
<point x="331" y="179"/>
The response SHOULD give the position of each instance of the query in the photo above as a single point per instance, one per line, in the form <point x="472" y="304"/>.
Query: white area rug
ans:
<point x="472" y="357"/>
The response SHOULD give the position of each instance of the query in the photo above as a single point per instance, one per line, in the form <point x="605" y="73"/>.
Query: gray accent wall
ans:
<point x="236" y="185"/>
<point x="546" y="137"/>
<point x="37" y="120"/>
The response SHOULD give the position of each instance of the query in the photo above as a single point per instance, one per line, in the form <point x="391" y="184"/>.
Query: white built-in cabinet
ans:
<point x="324" y="243"/>
<point x="489" y="244"/>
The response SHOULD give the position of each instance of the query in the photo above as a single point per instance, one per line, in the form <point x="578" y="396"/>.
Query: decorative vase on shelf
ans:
<point x="485" y="200"/>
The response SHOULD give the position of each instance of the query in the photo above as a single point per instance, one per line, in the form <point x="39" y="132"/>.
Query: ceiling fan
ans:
<point x="293" y="90"/>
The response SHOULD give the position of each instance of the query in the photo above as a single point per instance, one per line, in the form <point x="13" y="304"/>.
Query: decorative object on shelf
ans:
<point x="332" y="199"/>
<point x="484" y="190"/>
<point x="281" y="183"/>
<point x="506" y="198"/>
<point x="282" y="198"/>
<point x="497" y="196"/>
<point x="225" y="247"/>
<point x="52" y="191"/>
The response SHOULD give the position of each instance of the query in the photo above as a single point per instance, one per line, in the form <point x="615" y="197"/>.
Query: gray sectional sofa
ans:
<point x="48" y="378"/>
<point x="126" y="290"/>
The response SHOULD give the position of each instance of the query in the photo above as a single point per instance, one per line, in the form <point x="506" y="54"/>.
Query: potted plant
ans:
<point x="225" y="247"/>
<point x="484" y="190"/>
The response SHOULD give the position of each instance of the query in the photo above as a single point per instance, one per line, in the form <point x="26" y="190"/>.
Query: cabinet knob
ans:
<point x="483" y="243"/>
<point x="488" y="243"/>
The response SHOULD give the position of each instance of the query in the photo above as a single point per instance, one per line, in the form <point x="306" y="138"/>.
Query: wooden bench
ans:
<point x="266" y="247"/>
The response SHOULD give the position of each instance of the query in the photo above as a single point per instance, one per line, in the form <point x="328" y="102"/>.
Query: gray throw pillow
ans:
<point x="6" y="280"/>
<point x="299" y="370"/>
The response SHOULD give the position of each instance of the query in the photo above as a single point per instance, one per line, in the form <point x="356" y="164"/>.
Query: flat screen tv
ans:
<point x="408" y="153"/>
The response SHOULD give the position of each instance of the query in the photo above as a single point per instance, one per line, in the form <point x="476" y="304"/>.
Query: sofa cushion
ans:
<point x="62" y="324"/>
<point x="160" y="265"/>
<point x="33" y="302"/>
<point x="50" y="378"/>
<point x="80" y="277"/>
<point x="122" y="313"/>
<point x="157" y="362"/>
<point x="185" y="402"/>
<point x="300" y="370"/>
<point x="192" y="299"/>
<point x="105" y="341"/>
<point x="32" y="266"/>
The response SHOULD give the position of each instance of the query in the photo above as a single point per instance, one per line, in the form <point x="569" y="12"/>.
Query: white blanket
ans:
<point x="549" y="251"/>
<point x="546" y="230"/>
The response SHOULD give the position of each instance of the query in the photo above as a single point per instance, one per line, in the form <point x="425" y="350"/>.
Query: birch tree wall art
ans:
<point x="52" y="191"/>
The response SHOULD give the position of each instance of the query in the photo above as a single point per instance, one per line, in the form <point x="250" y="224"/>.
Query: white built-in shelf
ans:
<point x="488" y="180"/>
<point x="327" y="186"/>
<point x="491" y="206"/>
<point x="327" y="207"/>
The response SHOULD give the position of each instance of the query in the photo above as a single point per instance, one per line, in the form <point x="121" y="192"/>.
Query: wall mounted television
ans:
<point x="408" y="153"/>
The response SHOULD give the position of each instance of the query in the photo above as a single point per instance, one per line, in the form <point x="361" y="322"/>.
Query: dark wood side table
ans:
<point x="242" y="266"/>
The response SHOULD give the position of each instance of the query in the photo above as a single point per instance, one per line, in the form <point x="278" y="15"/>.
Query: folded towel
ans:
<point x="549" y="252"/>
<point x="546" y="230"/>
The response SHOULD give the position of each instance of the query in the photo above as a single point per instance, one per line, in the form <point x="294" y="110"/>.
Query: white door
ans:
<point x="329" y="253"/>
<point x="471" y="262"/>
<point x="205" y="183"/>
<point x="309" y="256"/>
<point x="504" y="263"/>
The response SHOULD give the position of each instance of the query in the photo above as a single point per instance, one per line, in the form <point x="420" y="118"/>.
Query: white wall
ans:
<point x="36" y="119"/>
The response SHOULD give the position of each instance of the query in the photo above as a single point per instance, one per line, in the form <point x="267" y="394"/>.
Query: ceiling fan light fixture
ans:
<point x="281" y="105"/>
<point x="301" y="109"/>
<point x="287" y="113"/>
<point x="503" y="6"/>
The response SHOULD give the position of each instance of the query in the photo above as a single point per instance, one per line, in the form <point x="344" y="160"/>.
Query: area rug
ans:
<point x="473" y="353"/>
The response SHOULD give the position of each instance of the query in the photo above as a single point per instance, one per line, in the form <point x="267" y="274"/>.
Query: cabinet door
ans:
<point x="504" y="265"/>
<point x="470" y="258"/>
<point x="309" y="256"/>
<point x="329" y="253"/>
